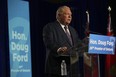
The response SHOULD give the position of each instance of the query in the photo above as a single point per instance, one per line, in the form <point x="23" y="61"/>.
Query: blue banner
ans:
<point x="19" y="38"/>
<point x="100" y="44"/>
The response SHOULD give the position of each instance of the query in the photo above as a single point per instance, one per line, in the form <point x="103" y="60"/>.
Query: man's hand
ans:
<point x="62" y="50"/>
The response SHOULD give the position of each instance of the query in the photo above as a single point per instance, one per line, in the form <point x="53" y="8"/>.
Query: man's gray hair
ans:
<point x="60" y="11"/>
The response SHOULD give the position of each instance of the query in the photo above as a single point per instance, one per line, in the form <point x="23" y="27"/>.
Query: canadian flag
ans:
<point x="110" y="59"/>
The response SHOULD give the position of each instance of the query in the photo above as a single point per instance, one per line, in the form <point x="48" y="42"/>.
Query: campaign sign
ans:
<point x="100" y="44"/>
<point x="19" y="38"/>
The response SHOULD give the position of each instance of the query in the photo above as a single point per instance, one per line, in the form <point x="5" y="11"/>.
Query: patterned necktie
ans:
<point x="68" y="35"/>
<point x="74" y="55"/>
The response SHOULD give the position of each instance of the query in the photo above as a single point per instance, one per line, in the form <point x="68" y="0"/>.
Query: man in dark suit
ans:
<point x="61" y="44"/>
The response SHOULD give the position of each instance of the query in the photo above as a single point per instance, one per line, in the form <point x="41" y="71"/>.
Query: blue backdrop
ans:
<point x="19" y="38"/>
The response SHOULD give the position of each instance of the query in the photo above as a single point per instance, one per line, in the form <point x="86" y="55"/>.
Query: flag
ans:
<point x="90" y="60"/>
<point x="110" y="62"/>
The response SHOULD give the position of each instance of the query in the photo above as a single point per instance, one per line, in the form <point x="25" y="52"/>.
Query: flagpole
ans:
<point x="87" y="17"/>
<point x="98" y="59"/>
<point x="87" y="25"/>
<point x="87" y="34"/>
<point x="109" y="33"/>
<point x="109" y="22"/>
<point x="99" y="65"/>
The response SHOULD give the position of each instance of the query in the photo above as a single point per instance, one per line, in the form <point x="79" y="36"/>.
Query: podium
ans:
<point x="98" y="44"/>
<point x="72" y="61"/>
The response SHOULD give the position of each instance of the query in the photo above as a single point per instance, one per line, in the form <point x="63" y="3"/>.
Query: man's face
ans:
<point x="66" y="16"/>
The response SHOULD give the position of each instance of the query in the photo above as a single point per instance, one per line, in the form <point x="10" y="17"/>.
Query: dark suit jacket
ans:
<point x="54" y="37"/>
